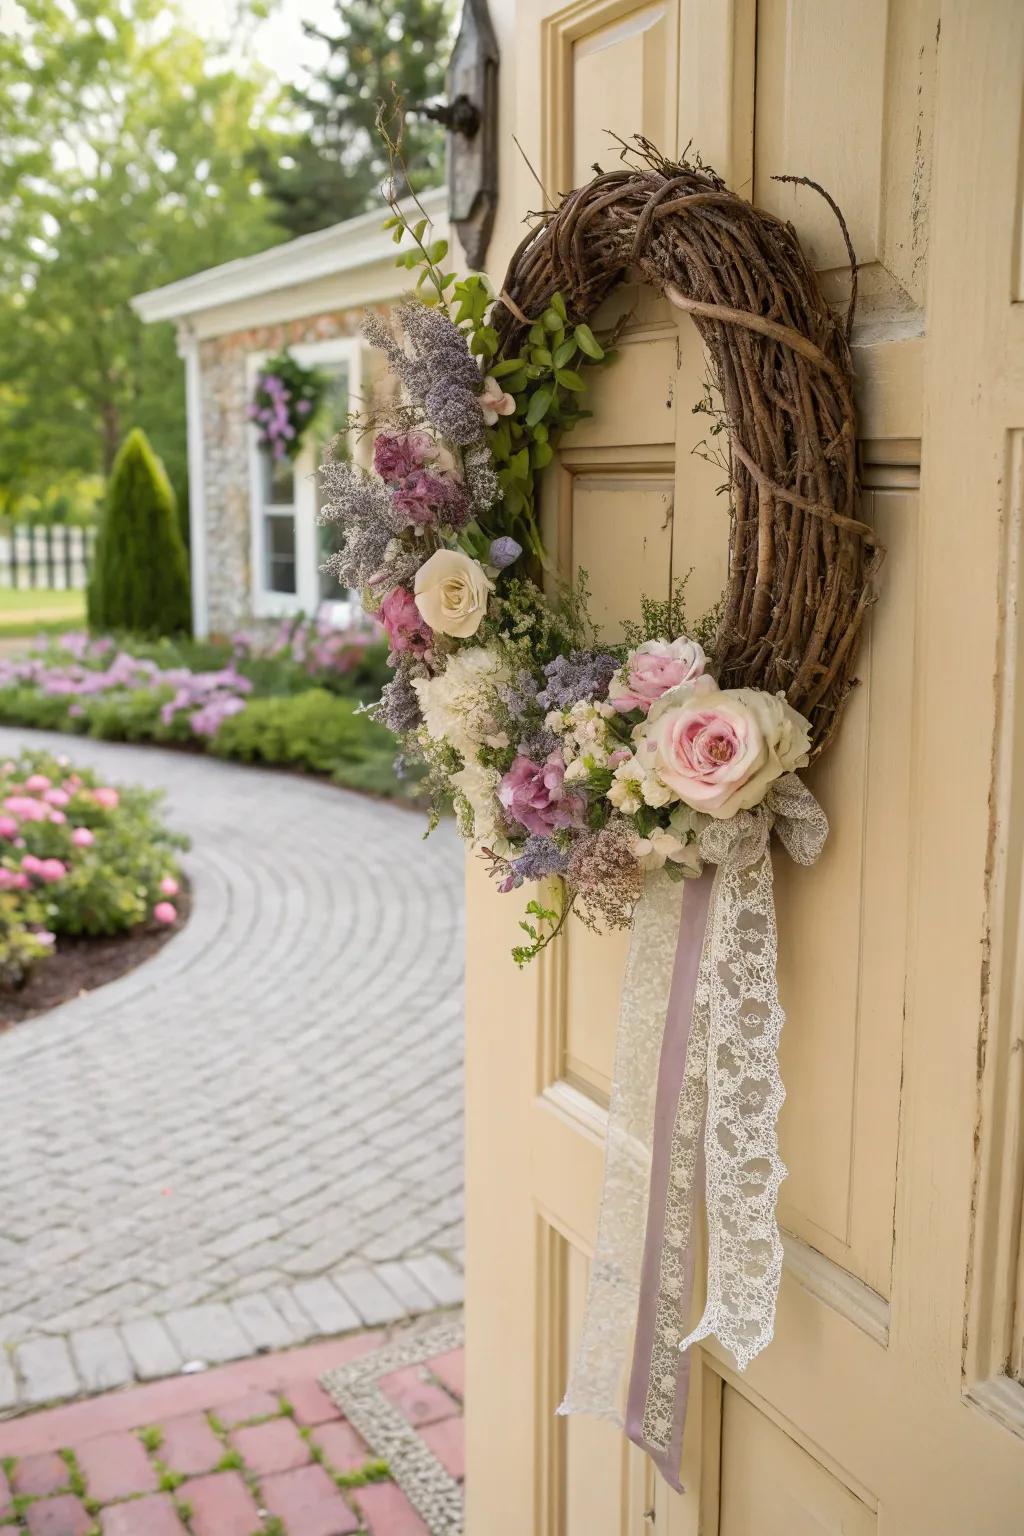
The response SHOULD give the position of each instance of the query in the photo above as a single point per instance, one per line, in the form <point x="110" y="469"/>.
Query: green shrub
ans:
<point x="77" y="856"/>
<point x="314" y="730"/>
<point x="140" y="577"/>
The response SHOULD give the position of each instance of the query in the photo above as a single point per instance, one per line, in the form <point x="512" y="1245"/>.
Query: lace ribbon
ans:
<point x="706" y="1037"/>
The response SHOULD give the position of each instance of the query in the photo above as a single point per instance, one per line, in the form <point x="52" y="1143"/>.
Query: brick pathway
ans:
<point x="254" y="1139"/>
<point x="252" y="1449"/>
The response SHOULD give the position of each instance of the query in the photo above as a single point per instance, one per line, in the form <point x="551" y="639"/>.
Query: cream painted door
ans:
<point x="890" y="1401"/>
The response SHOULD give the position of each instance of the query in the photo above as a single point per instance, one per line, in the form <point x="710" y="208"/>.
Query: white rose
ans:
<point x="659" y="847"/>
<point x="451" y="593"/>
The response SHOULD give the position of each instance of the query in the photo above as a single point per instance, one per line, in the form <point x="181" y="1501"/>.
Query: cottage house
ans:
<point x="256" y="545"/>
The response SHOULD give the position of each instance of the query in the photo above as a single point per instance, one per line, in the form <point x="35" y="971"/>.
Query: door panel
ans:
<point x="771" y="1487"/>
<point x="883" y="1404"/>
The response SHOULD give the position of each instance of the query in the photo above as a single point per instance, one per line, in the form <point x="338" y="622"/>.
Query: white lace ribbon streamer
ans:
<point x="737" y="1091"/>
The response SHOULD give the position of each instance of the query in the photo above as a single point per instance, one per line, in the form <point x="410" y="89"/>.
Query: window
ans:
<point x="288" y="547"/>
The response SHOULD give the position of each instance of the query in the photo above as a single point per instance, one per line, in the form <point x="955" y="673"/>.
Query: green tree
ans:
<point x="335" y="169"/>
<point x="140" y="576"/>
<point x="127" y="147"/>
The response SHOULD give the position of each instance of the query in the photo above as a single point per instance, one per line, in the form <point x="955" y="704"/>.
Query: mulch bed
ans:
<point x="81" y="965"/>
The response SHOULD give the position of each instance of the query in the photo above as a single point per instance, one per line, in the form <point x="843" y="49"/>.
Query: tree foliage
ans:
<point x="127" y="148"/>
<point x="140" y="576"/>
<point x="382" y="49"/>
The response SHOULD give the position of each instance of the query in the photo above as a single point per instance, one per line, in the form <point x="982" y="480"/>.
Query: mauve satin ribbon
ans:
<point x="671" y="1069"/>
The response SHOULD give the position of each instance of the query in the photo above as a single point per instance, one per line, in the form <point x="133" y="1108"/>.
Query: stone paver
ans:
<point x="255" y="1138"/>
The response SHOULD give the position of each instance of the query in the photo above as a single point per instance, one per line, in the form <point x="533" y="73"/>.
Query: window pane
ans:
<point x="278" y="479"/>
<point x="279" y="544"/>
<point x="332" y="419"/>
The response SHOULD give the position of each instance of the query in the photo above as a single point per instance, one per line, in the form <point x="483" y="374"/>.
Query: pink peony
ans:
<point x="51" y="870"/>
<point x="21" y="881"/>
<point x="534" y="795"/>
<point x="109" y="799"/>
<point x="37" y="782"/>
<point x="8" y="826"/>
<point x="25" y="807"/>
<point x="57" y="797"/>
<point x="426" y="498"/>
<point x="31" y="864"/>
<point x="82" y="837"/>
<point x="163" y="912"/>
<point x="58" y="818"/>
<point x="7" y="878"/>
<point x="652" y="669"/>
<point x="169" y="886"/>
<point x="406" y="629"/>
<point x="397" y="454"/>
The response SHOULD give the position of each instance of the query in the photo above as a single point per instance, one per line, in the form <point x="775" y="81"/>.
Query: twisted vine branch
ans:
<point x="802" y="565"/>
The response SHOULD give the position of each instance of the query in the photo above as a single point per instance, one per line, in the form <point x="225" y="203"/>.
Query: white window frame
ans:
<point x="306" y="597"/>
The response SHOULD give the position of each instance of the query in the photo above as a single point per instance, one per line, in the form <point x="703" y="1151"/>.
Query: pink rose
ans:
<point x="56" y="797"/>
<point x="109" y="799"/>
<point x="407" y="630"/>
<point x="37" y="782"/>
<point x="718" y="749"/>
<point x="51" y="870"/>
<point x="8" y="826"/>
<point x="21" y="881"/>
<point x="163" y="912"/>
<point x="652" y="669"/>
<point x="7" y="878"/>
<point x="82" y="837"/>
<point x="58" y="818"/>
<point x="534" y="795"/>
<point x="169" y="886"/>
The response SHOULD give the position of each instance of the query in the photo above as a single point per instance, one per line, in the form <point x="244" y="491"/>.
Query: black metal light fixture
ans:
<point x="471" y="117"/>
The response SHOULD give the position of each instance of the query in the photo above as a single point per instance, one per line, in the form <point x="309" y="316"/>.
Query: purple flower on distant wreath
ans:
<point x="406" y="627"/>
<point x="535" y="796"/>
<point x="504" y="552"/>
<point x="427" y="499"/>
<point x="578" y="676"/>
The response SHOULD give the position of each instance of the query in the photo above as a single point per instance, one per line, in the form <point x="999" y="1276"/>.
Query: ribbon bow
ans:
<point x="695" y="1100"/>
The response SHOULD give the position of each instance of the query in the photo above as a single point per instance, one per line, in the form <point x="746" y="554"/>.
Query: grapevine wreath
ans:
<point x="630" y="771"/>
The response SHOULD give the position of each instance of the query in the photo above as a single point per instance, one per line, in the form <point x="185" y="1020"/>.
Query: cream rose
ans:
<point x="451" y="593"/>
<point x="719" y="749"/>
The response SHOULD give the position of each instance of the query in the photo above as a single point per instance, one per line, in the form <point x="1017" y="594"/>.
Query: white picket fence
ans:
<point x="45" y="555"/>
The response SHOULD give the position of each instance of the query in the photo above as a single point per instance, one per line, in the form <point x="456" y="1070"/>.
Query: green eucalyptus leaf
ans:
<point x="540" y="404"/>
<point x="588" y="343"/>
<point x="569" y="379"/>
<point x="506" y="366"/>
<point x="541" y="455"/>
<point x="558" y="305"/>
<point x="564" y="353"/>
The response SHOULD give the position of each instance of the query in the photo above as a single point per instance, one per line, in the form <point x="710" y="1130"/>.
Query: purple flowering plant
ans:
<point x="284" y="405"/>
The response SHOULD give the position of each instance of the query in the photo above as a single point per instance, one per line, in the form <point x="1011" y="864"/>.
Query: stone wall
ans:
<point x="226" y="452"/>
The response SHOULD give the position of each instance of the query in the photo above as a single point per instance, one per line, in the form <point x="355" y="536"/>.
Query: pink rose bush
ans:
<point x="78" y="856"/>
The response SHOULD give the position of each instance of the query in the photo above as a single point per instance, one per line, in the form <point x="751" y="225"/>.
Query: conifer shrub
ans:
<point x="140" y="576"/>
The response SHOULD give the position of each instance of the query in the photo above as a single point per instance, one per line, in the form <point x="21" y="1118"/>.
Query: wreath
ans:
<point x="284" y="405"/>
<point x="626" y="769"/>
<point x="563" y="756"/>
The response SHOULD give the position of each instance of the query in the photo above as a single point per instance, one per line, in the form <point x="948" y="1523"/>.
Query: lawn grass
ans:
<point x="40" y="610"/>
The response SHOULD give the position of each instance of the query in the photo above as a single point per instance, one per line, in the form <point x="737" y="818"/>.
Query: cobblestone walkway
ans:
<point x="255" y="1139"/>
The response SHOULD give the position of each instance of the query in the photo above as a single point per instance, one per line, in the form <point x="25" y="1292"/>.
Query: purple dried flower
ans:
<point x="399" y="708"/>
<point x="578" y="676"/>
<point x="504" y="552"/>
<point x="540" y="858"/>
